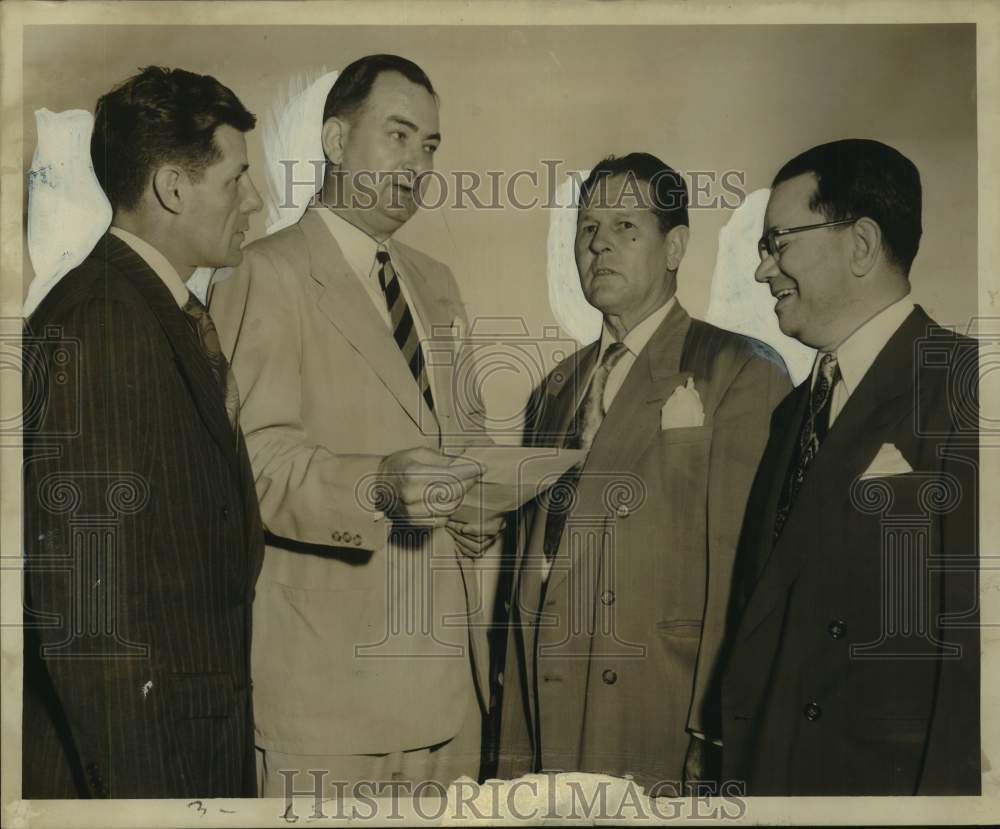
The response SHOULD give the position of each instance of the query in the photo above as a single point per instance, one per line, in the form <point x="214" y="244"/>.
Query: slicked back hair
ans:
<point x="354" y="84"/>
<point x="858" y="178"/>
<point x="160" y="116"/>
<point x="668" y="188"/>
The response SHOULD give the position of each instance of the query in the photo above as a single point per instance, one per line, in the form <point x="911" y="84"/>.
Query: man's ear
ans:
<point x="169" y="182"/>
<point x="334" y="138"/>
<point x="866" y="245"/>
<point x="677" y="240"/>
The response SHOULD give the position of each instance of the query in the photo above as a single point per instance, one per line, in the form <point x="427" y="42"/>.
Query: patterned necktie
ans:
<point x="588" y="419"/>
<point x="209" y="338"/>
<point x="404" y="332"/>
<point x="811" y="435"/>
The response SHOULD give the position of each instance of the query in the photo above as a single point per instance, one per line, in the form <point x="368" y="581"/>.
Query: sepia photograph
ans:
<point x="574" y="413"/>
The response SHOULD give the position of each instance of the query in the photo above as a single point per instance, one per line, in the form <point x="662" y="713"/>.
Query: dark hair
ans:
<point x="354" y="84"/>
<point x="670" y="193"/>
<point x="159" y="116"/>
<point x="859" y="178"/>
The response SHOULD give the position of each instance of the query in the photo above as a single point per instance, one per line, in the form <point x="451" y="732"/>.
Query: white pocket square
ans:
<point x="888" y="461"/>
<point x="683" y="409"/>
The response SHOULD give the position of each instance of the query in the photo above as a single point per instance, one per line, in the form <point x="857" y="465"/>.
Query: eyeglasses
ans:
<point x="768" y="244"/>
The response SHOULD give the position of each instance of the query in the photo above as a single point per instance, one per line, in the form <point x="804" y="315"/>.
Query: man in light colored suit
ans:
<point x="854" y="669"/>
<point x="343" y="341"/>
<point x="623" y="576"/>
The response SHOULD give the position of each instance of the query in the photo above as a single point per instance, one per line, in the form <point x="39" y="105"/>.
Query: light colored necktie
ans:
<point x="209" y="338"/>
<point x="814" y="428"/>
<point x="404" y="332"/>
<point x="589" y="417"/>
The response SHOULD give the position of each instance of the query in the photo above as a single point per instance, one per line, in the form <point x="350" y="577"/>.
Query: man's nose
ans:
<point x="767" y="269"/>
<point x="600" y="242"/>
<point x="418" y="161"/>
<point x="252" y="202"/>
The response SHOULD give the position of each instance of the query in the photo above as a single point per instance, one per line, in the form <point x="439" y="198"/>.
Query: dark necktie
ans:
<point x="586" y="422"/>
<point x="404" y="332"/>
<point x="811" y="435"/>
<point x="209" y="338"/>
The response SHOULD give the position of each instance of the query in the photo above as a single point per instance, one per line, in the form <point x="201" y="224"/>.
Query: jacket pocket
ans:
<point x="686" y="434"/>
<point x="685" y="628"/>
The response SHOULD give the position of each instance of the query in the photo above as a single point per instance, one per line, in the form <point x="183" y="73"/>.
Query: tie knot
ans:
<point x="614" y="353"/>
<point x="381" y="256"/>
<point x="193" y="306"/>
<point x="828" y="367"/>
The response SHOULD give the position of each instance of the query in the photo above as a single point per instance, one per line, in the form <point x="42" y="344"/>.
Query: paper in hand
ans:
<point x="511" y="476"/>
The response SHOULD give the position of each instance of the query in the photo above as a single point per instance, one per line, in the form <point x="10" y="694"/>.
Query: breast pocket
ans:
<point x="686" y="434"/>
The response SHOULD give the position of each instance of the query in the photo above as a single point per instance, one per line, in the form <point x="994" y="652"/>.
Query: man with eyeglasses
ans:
<point x="853" y="668"/>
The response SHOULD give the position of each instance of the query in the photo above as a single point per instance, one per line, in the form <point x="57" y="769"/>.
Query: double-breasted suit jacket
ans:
<point x="854" y="669"/>
<point x="609" y="657"/>
<point x="142" y="546"/>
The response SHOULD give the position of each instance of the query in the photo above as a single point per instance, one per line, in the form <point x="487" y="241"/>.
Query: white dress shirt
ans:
<point x="635" y="341"/>
<point x="359" y="250"/>
<point x="856" y="354"/>
<point x="157" y="262"/>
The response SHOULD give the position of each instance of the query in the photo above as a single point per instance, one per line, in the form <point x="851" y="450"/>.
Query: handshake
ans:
<point x="425" y="487"/>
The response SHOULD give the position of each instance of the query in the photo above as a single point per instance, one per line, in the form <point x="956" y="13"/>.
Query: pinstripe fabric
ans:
<point x="142" y="544"/>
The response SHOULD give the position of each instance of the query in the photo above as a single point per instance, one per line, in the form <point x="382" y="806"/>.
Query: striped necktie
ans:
<point x="814" y="428"/>
<point x="404" y="332"/>
<point x="208" y="336"/>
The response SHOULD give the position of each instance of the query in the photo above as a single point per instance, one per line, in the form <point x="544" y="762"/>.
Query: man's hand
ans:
<point x="423" y="486"/>
<point x="474" y="539"/>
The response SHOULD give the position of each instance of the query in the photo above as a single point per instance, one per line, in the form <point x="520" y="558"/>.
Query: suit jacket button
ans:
<point x="225" y="513"/>
<point x="837" y="628"/>
<point x="623" y="511"/>
<point x="335" y="536"/>
<point x="608" y="597"/>
<point x="812" y="711"/>
<point x="609" y="677"/>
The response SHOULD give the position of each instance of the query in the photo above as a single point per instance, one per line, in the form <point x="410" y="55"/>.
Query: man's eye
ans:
<point x="430" y="148"/>
<point x="628" y="225"/>
<point x="588" y="228"/>
<point x="397" y="135"/>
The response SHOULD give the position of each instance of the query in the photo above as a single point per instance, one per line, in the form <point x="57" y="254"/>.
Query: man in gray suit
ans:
<point x="623" y="572"/>
<point x="363" y="667"/>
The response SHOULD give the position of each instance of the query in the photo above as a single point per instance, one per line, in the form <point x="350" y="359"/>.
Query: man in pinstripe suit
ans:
<point x="621" y="586"/>
<point x="143" y="537"/>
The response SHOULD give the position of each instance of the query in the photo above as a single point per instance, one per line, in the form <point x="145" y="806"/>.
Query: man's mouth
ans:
<point x="783" y="294"/>
<point x="604" y="272"/>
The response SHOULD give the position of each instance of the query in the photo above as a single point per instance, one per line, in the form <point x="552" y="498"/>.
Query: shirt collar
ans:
<point x="158" y="262"/>
<point x="856" y="354"/>
<point x="637" y="338"/>
<point x="357" y="246"/>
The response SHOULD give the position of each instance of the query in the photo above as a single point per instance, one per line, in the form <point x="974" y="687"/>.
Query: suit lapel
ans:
<point x="433" y="311"/>
<point x="785" y="426"/>
<point x="883" y="399"/>
<point x="633" y="419"/>
<point x="191" y="360"/>
<point x="558" y="408"/>
<point x="632" y="422"/>
<point x="348" y="307"/>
